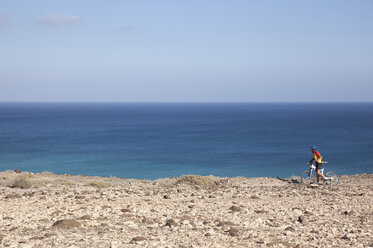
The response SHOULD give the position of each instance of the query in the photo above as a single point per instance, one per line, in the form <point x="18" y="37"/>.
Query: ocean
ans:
<point x="156" y="140"/>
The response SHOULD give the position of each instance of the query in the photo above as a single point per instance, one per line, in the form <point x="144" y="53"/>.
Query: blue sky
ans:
<point x="186" y="51"/>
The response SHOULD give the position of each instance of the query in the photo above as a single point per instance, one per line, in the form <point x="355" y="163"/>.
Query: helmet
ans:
<point x="313" y="148"/>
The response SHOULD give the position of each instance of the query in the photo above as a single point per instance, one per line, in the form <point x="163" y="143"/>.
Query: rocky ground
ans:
<point x="47" y="210"/>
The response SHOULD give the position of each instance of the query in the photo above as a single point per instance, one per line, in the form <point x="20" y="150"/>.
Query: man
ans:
<point x="317" y="158"/>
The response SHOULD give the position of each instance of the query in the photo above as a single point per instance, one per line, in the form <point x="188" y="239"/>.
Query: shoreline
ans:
<point x="45" y="209"/>
<point x="171" y="177"/>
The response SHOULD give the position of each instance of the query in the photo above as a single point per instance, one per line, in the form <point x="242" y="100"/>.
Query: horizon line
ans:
<point x="188" y="102"/>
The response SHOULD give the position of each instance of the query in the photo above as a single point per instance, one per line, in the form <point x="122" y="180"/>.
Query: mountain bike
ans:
<point x="331" y="178"/>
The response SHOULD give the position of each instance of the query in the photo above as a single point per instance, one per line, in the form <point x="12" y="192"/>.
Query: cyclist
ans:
<point x="317" y="159"/>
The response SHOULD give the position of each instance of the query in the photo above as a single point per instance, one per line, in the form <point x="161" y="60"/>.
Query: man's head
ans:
<point x="313" y="148"/>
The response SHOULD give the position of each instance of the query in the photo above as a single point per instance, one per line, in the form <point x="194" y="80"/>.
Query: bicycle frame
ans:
<point x="313" y="168"/>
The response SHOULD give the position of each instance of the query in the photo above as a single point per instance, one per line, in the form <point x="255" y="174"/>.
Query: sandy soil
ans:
<point x="47" y="210"/>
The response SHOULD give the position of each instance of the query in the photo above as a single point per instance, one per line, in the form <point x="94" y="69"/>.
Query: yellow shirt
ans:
<point x="317" y="156"/>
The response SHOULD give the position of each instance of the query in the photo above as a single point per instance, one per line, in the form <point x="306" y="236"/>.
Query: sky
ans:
<point x="186" y="51"/>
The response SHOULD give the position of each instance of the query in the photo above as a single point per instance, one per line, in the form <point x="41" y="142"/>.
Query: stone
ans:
<point x="18" y="171"/>
<point x="85" y="217"/>
<point x="137" y="239"/>
<point x="80" y="197"/>
<point x="225" y="223"/>
<point x="166" y="197"/>
<point x="66" y="223"/>
<point x="12" y="196"/>
<point x="235" y="209"/>
<point x="170" y="223"/>
<point x="47" y="235"/>
<point x="210" y="233"/>
<point x="289" y="228"/>
<point x="346" y="237"/>
<point x="313" y="185"/>
<point x="233" y="231"/>
<point x="125" y="210"/>
<point x="261" y="211"/>
<point x="301" y="219"/>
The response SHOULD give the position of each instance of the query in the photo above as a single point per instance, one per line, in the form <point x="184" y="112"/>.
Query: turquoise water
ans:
<point x="163" y="140"/>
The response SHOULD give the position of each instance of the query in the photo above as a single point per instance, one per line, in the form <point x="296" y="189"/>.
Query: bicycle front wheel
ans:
<point x="331" y="178"/>
<point x="307" y="177"/>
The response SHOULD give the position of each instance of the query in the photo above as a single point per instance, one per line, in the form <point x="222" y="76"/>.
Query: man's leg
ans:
<point x="318" y="173"/>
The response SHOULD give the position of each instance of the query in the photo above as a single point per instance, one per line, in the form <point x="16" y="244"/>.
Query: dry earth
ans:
<point x="47" y="210"/>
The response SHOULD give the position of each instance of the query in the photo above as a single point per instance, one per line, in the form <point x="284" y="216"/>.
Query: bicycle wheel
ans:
<point x="332" y="178"/>
<point x="307" y="177"/>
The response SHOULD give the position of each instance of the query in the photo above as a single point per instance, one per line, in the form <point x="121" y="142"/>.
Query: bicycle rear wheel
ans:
<point x="332" y="178"/>
<point x="307" y="177"/>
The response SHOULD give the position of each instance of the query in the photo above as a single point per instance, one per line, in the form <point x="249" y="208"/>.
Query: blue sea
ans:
<point x="156" y="140"/>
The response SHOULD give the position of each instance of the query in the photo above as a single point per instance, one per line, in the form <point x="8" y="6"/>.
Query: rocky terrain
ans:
<point x="47" y="210"/>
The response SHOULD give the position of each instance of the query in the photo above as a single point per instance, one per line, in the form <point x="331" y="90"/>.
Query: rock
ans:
<point x="170" y="223"/>
<point x="301" y="219"/>
<point x="275" y="244"/>
<point x="298" y="246"/>
<point x="18" y="171"/>
<point x="12" y="196"/>
<point x="29" y="194"/>
<point x="66" y="223"/>
<point x="210" y="233"/>
<point x="313" y="185"/>
<point x="235" y="209"/>
<point x="137" y="239"/>
<point x="254" y="197"/>
<point x="225" y="223"/>
<point x="166" y="197"/>
<point x="147" y="220"/>
<point x="346" y="237"/>
<point x="297" y="211"/>
<point x="80" y="197"/>
<point x="261" y="211"/>
<point x="47" y="235"/>
<point x="85" y="217"/>
<point x="233" y="231"/>
<point x="1" y="238"/>
<point x="125" y="210"/>
<point x="289" y="228"/>
<point x="36" y="238"/>
<point x="347" y="212"/>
